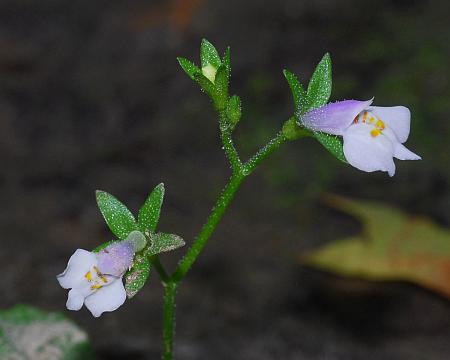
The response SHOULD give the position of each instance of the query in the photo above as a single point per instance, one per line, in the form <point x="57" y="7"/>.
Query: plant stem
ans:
<point x="228" y="145"/>
<point x="170" y="289"/>
<point x="171" y="282"/>
<point x="265" y="151"/>
<point x="210" y="225"/>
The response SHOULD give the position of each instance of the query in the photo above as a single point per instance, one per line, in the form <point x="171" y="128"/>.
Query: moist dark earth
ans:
<point x="91" y="97"/>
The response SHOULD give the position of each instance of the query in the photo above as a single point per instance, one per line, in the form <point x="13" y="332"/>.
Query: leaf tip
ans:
<point x="99" y="193"/>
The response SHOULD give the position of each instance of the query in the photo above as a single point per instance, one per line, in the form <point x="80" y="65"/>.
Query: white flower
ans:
<point x="95" y="279"/>
<point x="372" y="135"/>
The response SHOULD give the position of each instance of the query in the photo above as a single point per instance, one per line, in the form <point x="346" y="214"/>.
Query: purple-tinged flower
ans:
<point x="95" y="279"/>
<point x="373" y="135"/>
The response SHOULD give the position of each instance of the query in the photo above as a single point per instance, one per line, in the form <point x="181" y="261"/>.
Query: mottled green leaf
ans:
<point x="117" y="216"/>
<point x="332" y="143"/>
<point x="392" y="246"/>
<point x="148" y="216"/>
<point x="161" y="242"/>
<point x="209" y="55"/>
<point x="29" y="333"/>
<point x="319" y="87"/>
<point x="189" y="68"/>
<point x="298" y="93"/>
<point x="137" y="276"/>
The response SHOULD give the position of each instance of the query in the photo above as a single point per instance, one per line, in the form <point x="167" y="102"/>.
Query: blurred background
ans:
<point x="92" y="97"/>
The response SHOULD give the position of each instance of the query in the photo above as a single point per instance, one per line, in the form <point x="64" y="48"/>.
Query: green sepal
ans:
<point x="149" y="213"/>
<point x="220" y="96"/>
<point x="209" y="54"/>
<point x="136" y="277"/>
<point x="333" y="144"/>
<point x="298" y="93"/>
<point x="293" y="131"/>
<point x="161" y="242"/>
<point x="319" y="87"/>
<point x="206" y="85"/>
<point x="119" y="219"/>
<point x="234" y="110"/>
<point x="189" y="67"/>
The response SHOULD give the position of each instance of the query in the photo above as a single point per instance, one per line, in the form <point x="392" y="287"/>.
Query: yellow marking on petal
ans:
<point x="88" y="276"/>
<point x="375" y="132"/>
<point x="364" y="116"/>
<point x="96" y="287"/>
<point x="100" y="275"/>
<point x="380" y="124"/>
<point x="355" y="120"/>
<point x="371" y="120"/>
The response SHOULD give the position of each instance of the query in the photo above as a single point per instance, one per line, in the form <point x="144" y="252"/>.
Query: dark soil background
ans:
<point x="91" y="97"/>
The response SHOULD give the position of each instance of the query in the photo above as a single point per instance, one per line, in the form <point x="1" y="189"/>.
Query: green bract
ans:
<point x="317" y="95"/>
<point x="213" y="76"/>
<point x="141" y="233"/>
<point x="149" y="213"/>
<point x="119" y="219"/>
<point x="234" y="110"/>
<point x="136" y="277"/>
<point x="319" y="87"/>
<point x="209" y="55"/>
<point x="161" y="242"/>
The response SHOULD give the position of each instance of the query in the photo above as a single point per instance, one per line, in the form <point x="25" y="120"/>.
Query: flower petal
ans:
<point x="368" y="153"/>
<point x="116" y="258"/>
<point x="79" y="264"/>
<point x="334" y="118"/>
<point x="75" y="300"/>
<point x="398" y="118"/>
<point x="108" y="298"/>
<point x="402" y="153"/>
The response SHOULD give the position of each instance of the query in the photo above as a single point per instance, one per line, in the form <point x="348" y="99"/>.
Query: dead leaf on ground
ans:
<point x="393" y="246"/>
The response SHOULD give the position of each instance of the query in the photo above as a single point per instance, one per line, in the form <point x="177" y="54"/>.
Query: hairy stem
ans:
<point x="228" y="145"/>
<point x="170" y="289"/>
<point x="214" y="217"/>
<point x="265" y="151"/>
<point x="171" y="282"/>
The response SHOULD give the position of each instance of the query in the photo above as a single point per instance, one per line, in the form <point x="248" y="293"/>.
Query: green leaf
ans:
<point x="298" y="93"/>
<point x="137" y="276"/>
<point x="189" y="68"/>
<point x="148" y="216"/>
<point x="209" y="55"/>
<point x="161" y="242"/>
<point x="333" y="144"/>
<point x="221" y="88"/>
<point x="118" y="218"/>
<point x="234" y="110"/>
<point x="392" y="246"/>
<point x="319" y="88"/>
<point x="206" y="85"/>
